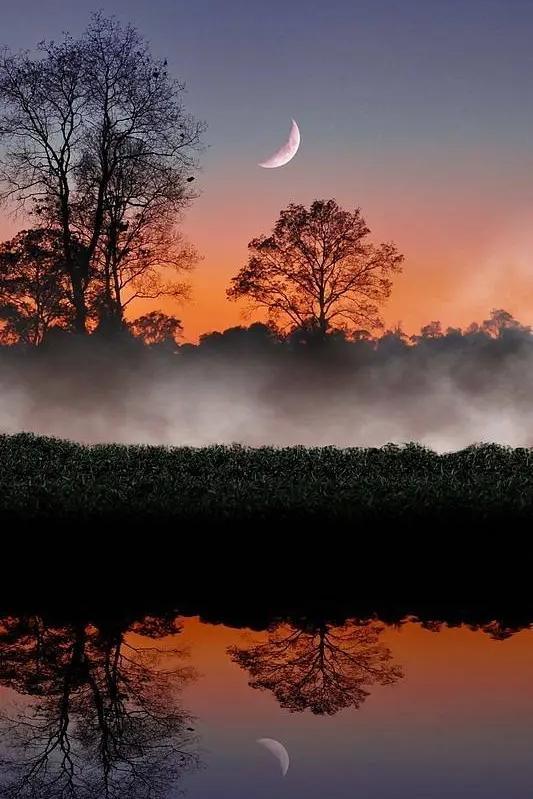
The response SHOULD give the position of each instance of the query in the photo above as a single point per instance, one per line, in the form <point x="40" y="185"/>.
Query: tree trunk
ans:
<point x="322" y="321"/>
<point x="73" y="268"/>
<point x="118" y="300"/>
<point x="80" y="309"/>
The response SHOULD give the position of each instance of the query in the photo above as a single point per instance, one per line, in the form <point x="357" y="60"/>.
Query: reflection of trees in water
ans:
<point x="497" y="630"/>
<point x="318" y="666"/>
<point x="101" y="718"/>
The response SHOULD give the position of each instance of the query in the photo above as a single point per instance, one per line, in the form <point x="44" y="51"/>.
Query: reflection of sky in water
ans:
<point x="458" y="723"/>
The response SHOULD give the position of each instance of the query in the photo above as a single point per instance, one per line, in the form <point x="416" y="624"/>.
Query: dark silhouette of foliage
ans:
<point x="34" y="292"/>
<point x="256" y="339"/>
<point x="323" y="668"/>
<point x="501" y="321"/>
<point x="429" y="331"/>
<point x="157" y="327"/>
<point x="316" y="270"/>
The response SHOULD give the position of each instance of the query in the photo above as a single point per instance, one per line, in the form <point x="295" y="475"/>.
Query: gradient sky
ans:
<point x="459" y="724"/>
<point x="418" y="111"/>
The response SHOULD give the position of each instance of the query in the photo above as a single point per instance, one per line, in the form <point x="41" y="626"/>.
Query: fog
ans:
<point x="445" y="392"/>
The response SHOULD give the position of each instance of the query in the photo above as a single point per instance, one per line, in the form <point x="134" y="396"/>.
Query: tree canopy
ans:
<point x="317" y="270"/>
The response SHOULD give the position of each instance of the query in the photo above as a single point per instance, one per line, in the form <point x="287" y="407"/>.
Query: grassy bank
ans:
<point x="45" y="477"/>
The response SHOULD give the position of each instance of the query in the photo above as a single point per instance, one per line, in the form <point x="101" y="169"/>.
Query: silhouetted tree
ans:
<point x="140" y="254"/>
<point x="102" y="720"/>
<point x="316" y="269"/>
<point x="98" y="145"/>
<point x="319" y="667"/>
<point x="430" y="331"/>
<point x="501" y="320"/>
<point x="34" y="292"/>
<point x="393" y="341"/>
<point x="257" y="339"/>
<point x="454" y="332"/>
<point x="157" y="327"/>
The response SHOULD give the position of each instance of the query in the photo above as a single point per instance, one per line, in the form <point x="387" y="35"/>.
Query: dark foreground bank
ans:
<point x="42" y="478"/>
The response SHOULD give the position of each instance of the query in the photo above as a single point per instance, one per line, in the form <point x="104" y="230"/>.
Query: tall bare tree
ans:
<point x="316" y="270"/>
<point x="101" y="716"/>
<point x="98" y="145"/>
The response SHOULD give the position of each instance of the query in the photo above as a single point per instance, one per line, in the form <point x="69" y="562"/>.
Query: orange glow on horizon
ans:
<point x="458" y="263"/>
<point x="454" y="671"/>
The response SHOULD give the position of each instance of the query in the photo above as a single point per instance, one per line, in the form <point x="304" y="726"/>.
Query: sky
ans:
<point x="420" y="112"/>
<point x="458" y="723"/>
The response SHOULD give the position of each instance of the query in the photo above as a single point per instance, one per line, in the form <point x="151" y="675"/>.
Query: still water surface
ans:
<point x="154" y="708"/>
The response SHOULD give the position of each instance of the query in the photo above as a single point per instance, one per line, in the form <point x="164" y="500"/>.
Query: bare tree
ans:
<point x="43" y="103"/>
<point x="142" y="157"/>
<point x="103" y="718"/>
<point x="319" y="667"/>
<point x="82" y="123"/>
<point x="316" y="270"/>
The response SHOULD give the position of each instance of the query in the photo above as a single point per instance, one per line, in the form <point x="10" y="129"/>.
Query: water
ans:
<point x="118" y="708"/>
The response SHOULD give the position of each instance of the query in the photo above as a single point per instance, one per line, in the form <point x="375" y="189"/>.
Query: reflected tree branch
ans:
<point x="95" y="721"/>
<point x="319" y="667"/>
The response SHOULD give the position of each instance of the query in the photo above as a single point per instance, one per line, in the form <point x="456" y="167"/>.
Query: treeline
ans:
<point x="491" y="355"/>
<point x="161" y="615"/>
<point x="157" y="332"/>
<point x="500" y="332"/>
<point x="161" y="332"/>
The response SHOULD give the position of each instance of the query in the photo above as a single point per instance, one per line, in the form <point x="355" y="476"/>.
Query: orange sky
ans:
<point x="463" y="255"/>
<point x="460" y="720"/>
<point x="467" y="240"/>
<point x="455" y="671"/>
<point x="454" y="270"/>
<point x="419" y="113"/>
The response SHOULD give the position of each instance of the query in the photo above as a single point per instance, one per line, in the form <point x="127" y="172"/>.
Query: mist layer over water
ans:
<point x="445" y="393"/>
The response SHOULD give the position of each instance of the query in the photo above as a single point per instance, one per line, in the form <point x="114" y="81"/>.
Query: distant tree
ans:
<point x="157" y="327"/>
<point x="317" y="270"/>
<point x="257" y="338"/>
<point x="454" y="331"/>
<point x="361" y="335"/>
<point x="98" y="146"/>
<point x="34" y="289"/>
<point x="501" y="320"/>
<point x="393" y="341"/>
<point x="319" y="667"/>
<point x="432" y="330"/>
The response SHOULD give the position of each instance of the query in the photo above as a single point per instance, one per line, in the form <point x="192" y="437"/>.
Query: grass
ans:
<point x="42" y="477"/>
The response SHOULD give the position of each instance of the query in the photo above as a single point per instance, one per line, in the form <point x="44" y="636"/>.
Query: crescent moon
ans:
<point x="285" y="153"/>
<point x="278" y="750"/>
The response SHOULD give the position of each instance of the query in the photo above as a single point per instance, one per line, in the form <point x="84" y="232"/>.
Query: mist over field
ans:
<point x="446" y="392"/>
